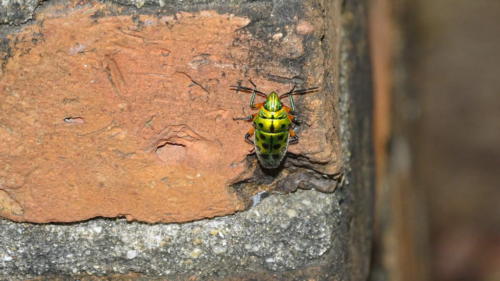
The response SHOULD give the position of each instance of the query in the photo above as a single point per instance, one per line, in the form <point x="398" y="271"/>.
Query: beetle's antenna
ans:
<point x="305" y="91"/>
<point x="299" y="92"/>
<point x="253" y="84"/>
<point x="248" y="90"/>
<point x="289" y="92"/>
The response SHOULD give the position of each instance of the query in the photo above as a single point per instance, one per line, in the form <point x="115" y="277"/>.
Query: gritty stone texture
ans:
<point x="303" y="228"/>
<point x="134" y="106"/>
<point x="303" y="235"/>
<point x="17" y="11"/>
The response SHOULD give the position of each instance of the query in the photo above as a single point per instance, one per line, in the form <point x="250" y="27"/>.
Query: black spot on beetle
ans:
<point x="276" y="146"/>
<point x="262" y="136"/>
<point x="265" y="145"/>
<point x="280" y="137"/>
<point x="272" y="128"/>
<point x="283" y="126"/>
<point x="276" y="156"/>
<point x="265" y="156"/>
<point x="261" y="125"/>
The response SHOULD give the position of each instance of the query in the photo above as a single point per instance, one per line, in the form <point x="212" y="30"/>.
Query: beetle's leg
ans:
<point x="294" y="119"/>
<point x="249" y="134"/>
<point x="254" y="93"/>
<point x="289" y="94"/>
<point x="291" y="117"/>
<point x="294" y="139"/>
<point x="252" y="99"/>
<point x="292" y="104"/>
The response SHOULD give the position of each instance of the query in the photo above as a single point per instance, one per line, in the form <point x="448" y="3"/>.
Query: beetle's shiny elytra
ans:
<point x="273" y="124"/>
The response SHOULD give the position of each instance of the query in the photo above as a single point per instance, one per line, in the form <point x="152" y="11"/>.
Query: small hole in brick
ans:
<point x="74" y="120"/>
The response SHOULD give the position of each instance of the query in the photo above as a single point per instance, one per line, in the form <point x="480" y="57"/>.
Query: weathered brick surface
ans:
<point x="129" y="114"/>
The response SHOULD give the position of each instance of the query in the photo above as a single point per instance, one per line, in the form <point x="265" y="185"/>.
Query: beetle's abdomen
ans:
<point x="271" y="137"/>
<point x="270" y="147"/>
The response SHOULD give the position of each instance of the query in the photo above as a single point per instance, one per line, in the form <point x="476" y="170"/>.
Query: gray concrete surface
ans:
<point x="282" y="233"/>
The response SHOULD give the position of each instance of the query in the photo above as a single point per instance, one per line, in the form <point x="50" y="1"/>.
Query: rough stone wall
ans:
<point x="305" y="234"/>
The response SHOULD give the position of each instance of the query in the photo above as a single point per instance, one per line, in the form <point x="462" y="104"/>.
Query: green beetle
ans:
<point x="273" y="124"/>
